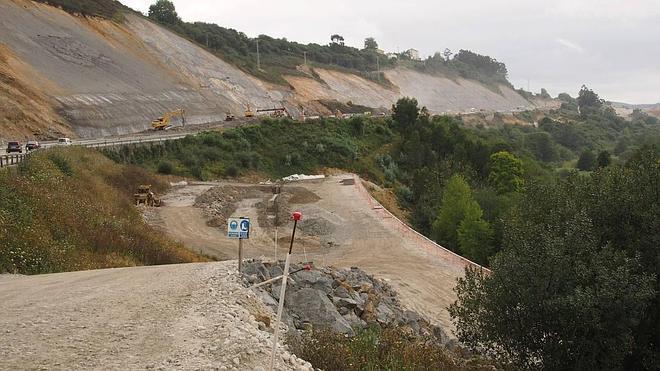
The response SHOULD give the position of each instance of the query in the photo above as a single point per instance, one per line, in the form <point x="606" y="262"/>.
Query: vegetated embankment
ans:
<point x="72" y="209"/>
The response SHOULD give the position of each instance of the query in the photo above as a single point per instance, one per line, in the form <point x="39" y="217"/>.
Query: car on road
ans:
<point x="64" y="142"/>
<point x="31" y="145"/>
<point x="14" y="147"/>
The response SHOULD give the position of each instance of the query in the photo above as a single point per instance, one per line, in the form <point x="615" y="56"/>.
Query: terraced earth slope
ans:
<point x="66" y="74"/>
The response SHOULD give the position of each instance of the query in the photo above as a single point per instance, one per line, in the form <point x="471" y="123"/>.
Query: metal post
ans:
<point x="285" y="275"/>
<point x="276" y="243"/>
<point x="240" y="255"/>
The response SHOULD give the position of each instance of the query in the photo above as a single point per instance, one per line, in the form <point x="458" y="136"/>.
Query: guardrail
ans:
<point x="12" y="160"/>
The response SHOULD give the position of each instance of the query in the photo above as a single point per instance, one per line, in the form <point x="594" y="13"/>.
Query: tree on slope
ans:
<point x="370" y="43"/>
<point x="475" y="236"/>
<point x="163" y="11"/>
<point x="505" y="172"/>
<point x="587" y="161"/>
<point x="574" y="286"/>
<point x="457" y="206"/>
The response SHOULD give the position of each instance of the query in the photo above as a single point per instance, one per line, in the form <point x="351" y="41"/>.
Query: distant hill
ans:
<point x="626" y="109"/>
<point x="113" y="73"/>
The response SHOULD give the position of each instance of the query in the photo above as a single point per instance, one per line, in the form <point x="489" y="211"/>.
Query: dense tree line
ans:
<point x="111" y="9"/>
<point x="281" y="56"/>
<point x="575" y="285"/>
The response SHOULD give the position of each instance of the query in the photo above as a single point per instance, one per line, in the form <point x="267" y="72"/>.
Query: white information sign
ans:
<point x="238" y="228"/>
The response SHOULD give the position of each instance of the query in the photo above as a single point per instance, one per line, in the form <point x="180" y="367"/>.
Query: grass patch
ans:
<point x="380" y="349"/>
<point x="69" y="209"/>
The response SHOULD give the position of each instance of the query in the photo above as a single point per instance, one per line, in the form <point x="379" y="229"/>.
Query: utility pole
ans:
<point x="378" y="66"/>
<point x="258" y="61"/>
<point x="305" y="56"/>
<point x="207" y="39"/>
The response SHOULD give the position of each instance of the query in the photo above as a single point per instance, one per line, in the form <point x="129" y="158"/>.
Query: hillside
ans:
<point x="71" y="209"/>
<point x="94" y="76"/>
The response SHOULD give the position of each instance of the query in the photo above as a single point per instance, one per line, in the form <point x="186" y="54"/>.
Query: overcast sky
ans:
<point x="612" y="46"/>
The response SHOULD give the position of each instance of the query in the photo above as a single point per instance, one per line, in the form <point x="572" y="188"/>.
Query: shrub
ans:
<point x="165" y="167"/>
<point x="376" y="349"/>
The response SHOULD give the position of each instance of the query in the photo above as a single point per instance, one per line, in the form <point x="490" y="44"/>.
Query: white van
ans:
<point x="64" y="142"/>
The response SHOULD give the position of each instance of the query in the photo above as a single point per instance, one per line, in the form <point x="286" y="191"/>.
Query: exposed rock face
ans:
<point x="342" y="300"/>
<point x="314" y="307"/>
<point x="106" y="78"/>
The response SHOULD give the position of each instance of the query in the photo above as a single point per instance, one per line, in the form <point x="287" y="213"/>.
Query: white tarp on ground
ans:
<point x="295" y="177"/>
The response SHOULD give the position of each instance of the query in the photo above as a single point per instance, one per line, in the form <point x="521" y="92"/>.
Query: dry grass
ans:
<point x="71" y="209"/>
<point x="388" y="199"/>
<point x="376" y="349"/>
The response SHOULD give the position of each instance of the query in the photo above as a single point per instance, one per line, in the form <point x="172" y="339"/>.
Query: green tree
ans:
<point x="405" y="113"/>
<point x="588" y="101"/>
<point x="604" y="159"/>
<point x="370" y="43"/>
<point x="475" y="237"/>
<point x="457" y="203"/>
<point x="163" y="11"/>
<point x="541" y="145"/>
<point x="559" y="296"/>
<point x="587" y="161"/>
<point x="506" y="172"/>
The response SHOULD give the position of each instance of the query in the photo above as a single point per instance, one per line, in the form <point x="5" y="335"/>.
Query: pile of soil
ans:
<point x="219" y="203"/>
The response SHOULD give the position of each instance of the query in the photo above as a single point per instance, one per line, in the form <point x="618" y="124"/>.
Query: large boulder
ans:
<point x="313" y="306"/>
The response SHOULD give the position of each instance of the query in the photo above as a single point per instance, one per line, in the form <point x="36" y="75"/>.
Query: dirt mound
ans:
<point x="219" y="203"/>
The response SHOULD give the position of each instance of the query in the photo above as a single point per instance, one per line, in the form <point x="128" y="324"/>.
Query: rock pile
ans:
<point x="218" y="203"/>
<point x="342" y="300"/>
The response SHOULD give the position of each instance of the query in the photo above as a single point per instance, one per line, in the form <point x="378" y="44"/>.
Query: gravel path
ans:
<point x="189" y="316"/>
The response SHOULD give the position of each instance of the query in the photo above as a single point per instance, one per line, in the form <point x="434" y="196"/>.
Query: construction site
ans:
<point x="151" y="216"/>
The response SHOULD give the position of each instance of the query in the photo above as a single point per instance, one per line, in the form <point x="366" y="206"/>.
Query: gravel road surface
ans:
<point x="189" y="316"/>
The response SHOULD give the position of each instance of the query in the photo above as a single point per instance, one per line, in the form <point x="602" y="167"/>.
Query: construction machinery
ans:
<point x="274" y="112"/>
<point x="163" y="123"/>
<point x="249" y="113"/>
<point x="145" y="196"/>
<point x="229" y="116"/>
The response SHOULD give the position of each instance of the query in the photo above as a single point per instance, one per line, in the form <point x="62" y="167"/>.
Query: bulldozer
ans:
<point x="163" y="123"/>
<point x="145" y="196"/>
<point x="249" y="113"/>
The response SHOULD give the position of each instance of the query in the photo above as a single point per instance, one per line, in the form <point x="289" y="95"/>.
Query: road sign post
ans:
<point x="239" y="228"/>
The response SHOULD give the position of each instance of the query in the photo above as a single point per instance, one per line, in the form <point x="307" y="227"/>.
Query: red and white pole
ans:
<point x="285" y="275"/>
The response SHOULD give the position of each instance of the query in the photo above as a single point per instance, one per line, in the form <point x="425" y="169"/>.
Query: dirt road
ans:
<point x="189" y="316"/>
<point x="340" y="227"/>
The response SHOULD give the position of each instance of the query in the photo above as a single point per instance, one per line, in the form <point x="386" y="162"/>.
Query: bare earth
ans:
<point x="188" y="316"/>
<point x="343" y="228"/>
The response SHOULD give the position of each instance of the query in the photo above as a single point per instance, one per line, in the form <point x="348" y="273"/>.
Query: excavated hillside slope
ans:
<point x="63" y="73"/>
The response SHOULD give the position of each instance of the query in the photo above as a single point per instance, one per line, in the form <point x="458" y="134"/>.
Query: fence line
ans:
<point x="428" y="245"/>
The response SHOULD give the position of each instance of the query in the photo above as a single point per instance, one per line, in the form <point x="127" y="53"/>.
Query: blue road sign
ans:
<point x="238" y="228"/>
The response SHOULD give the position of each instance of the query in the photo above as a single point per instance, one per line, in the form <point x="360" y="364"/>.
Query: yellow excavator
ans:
<point x="163" y="123"/>
<point x="249" y="113"/>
